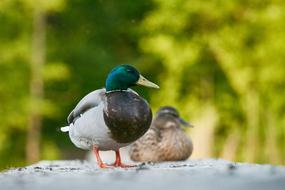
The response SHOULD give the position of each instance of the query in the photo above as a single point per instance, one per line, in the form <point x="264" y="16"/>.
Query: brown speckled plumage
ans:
<point x="164" y="141"/>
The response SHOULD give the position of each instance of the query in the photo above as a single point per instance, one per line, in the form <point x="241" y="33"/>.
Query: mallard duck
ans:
<point x="165" y="140"/>
<point x="111" y="117"/>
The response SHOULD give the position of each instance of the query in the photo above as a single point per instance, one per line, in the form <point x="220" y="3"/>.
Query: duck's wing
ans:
<point x="146" y="148"/>
<point x="89" y="101"/>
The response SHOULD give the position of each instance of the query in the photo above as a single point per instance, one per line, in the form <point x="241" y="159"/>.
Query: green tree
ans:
<point x="224" y="56"/>
<point x="52" y="53"/>
<point x="219" y="62"/>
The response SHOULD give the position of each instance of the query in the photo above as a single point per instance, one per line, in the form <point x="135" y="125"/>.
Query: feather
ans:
<point x="89" y="101"/>
<point x="164" y="141"/>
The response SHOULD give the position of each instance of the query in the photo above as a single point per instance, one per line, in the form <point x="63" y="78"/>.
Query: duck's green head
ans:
<point x="123" y="77"/>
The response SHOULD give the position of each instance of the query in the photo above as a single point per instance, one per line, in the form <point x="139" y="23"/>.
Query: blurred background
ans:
<point x="221" y="63"/>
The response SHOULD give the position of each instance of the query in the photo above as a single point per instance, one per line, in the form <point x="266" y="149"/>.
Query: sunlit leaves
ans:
<point x="56" y="71"/>
<point x="240" y="71"/>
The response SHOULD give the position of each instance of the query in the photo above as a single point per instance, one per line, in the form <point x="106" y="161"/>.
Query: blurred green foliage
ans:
<point x="223" y="56"/>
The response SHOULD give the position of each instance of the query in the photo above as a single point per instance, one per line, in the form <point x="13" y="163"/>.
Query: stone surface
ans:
<point x="192" y="174"/>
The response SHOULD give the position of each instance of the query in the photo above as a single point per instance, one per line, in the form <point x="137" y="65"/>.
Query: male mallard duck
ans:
<point x="111" y="117"/>
<point x="165" y="140"/>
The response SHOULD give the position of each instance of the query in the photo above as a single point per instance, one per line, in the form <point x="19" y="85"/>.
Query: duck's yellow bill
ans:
<point x="144" y="82"/>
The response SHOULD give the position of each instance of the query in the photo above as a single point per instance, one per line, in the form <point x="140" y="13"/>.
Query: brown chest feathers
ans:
<point x="127" y="115"/>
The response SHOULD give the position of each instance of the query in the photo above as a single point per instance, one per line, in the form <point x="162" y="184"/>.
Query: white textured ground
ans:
<point x="192" y="174"/>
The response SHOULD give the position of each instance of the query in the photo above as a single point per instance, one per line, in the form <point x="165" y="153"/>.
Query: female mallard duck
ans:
<point x="111" y="118"/>
<point x="165" y="140"/>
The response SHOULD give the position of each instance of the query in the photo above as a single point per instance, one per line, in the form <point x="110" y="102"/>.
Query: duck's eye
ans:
<point x="130" y="71"/>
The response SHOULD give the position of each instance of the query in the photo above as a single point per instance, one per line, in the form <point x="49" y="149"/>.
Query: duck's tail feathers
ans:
<point x="64" y="129"/>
